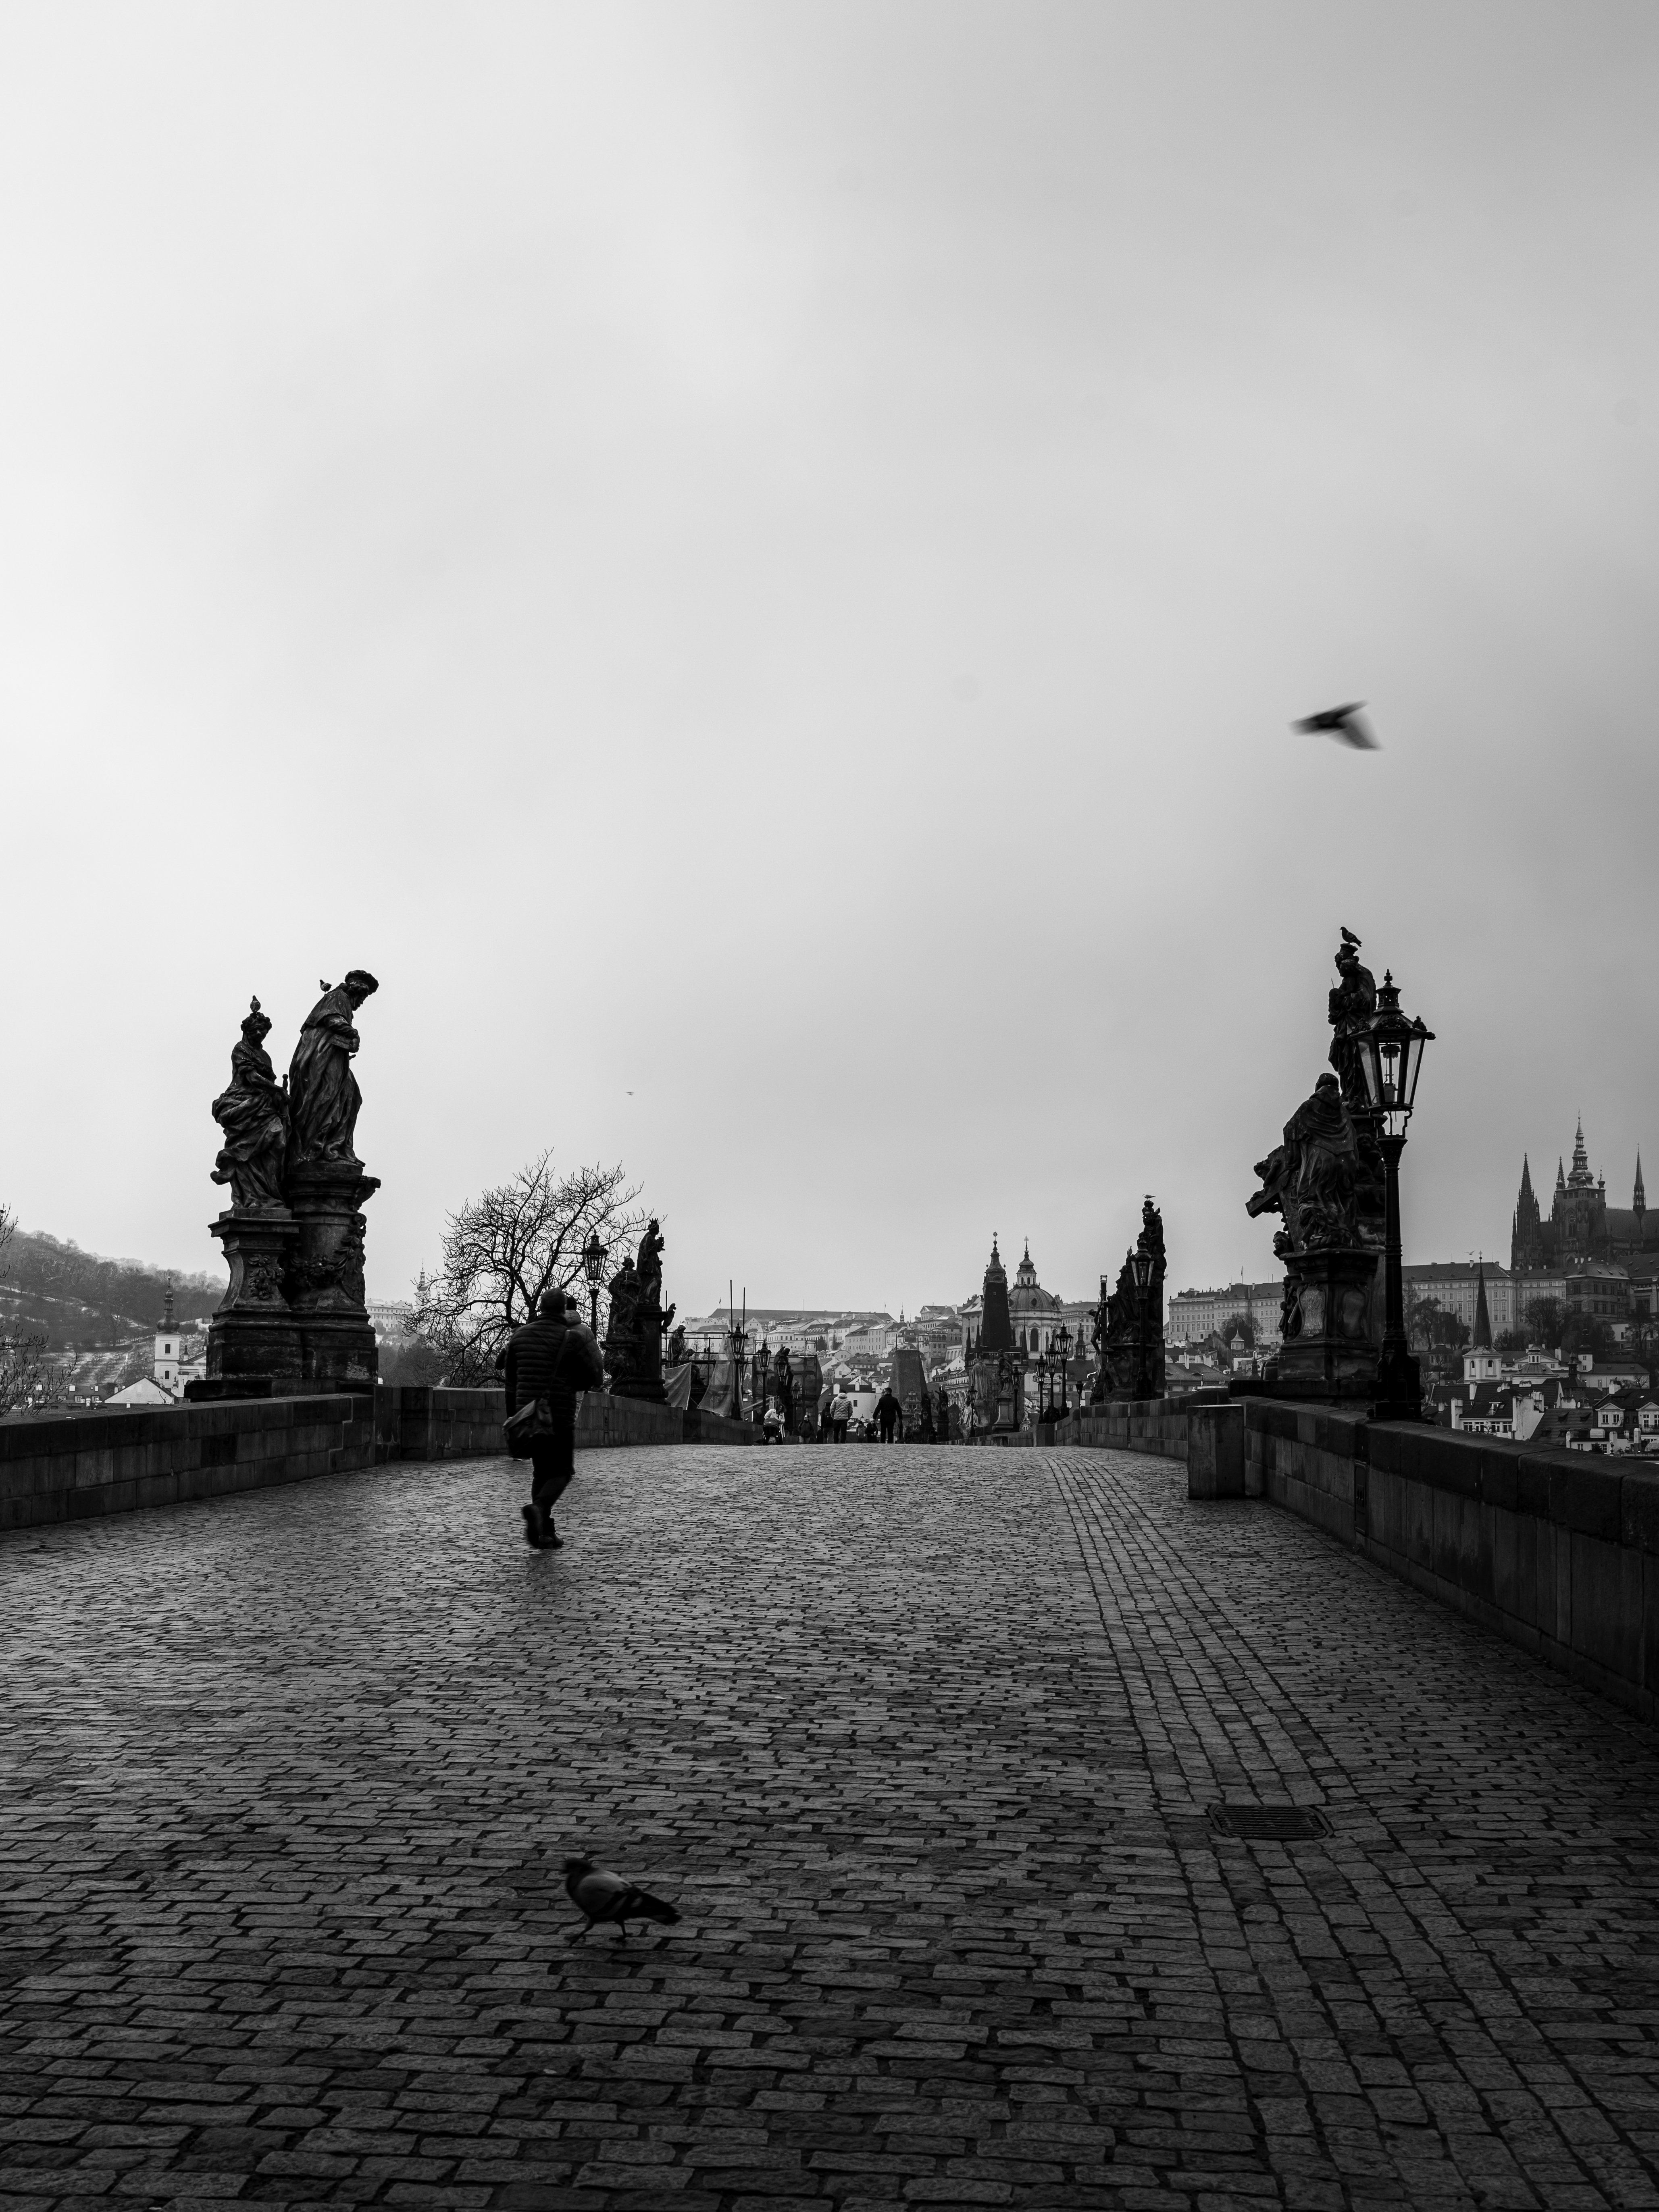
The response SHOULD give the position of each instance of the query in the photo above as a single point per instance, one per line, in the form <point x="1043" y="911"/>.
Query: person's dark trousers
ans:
<point x="552" y="1463"/>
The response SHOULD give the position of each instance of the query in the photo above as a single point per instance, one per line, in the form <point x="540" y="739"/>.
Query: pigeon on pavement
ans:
<point x="603" y="1895"/>
<point x="1345" y="722"/>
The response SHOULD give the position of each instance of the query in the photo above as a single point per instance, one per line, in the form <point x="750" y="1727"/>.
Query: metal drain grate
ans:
<point x="1270" y="1824"/>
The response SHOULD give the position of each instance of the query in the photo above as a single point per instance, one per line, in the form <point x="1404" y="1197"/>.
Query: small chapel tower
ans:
<point x="167" y="1348"/>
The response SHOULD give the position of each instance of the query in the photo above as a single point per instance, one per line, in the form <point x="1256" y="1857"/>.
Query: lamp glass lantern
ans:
<point x="593" y="1257"/>
<point x="1141" y="1263"/>
<point x="1391" y="1057"/>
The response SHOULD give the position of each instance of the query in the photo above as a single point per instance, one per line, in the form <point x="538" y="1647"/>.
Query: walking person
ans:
<point x="887" y="1414"/>
<point x="840" y="1412"/>
<point x="549" y="1362"/>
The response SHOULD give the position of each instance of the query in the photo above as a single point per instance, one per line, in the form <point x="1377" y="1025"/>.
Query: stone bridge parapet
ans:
<point x="73" y="1467"/>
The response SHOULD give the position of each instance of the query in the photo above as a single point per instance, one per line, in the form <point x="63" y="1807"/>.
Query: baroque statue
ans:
<point x="1352" y="1004"/>
<point x="253" y="1113"/>
<point x="649" y="1265"/>
<point x="1326" y="1179"/>
<point x="323" y="1100"/>
<point x="1127" y="1328"/>
<point x="292" y="1236"/>
<point x="638" y="1323"/>
<point x="1313" y="1178"/>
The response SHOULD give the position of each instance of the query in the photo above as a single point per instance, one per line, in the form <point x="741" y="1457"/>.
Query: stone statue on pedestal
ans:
<point x="1326" y="1181"/>
<point x="293" y="1236"/>
<point x="1127" y="1329"/>
<point x="633" y="1342"/>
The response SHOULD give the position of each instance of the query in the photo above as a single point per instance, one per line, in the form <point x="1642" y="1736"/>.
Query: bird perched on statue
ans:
<point x="1348" y="937"/>
<point x="1343" y="722"/>
<point x="603" y="1895"/>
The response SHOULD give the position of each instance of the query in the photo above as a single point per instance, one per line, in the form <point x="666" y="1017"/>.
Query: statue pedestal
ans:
<point x="325" y="1274"/>
<point x="634" y="1358"/>
<point x="254" y="1334"/>
<point x="1330" y="1350"/>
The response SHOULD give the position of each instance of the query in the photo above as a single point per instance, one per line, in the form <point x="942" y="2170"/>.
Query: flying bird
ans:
<point x="603" y="1895"/>
<point x="1343" y="722"/>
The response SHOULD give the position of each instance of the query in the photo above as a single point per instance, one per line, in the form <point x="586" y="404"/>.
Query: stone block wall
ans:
<point x="79" y="1466"/>
<point x="1159" y="1425"/>
<point x="73" y="1467"/>
<point x="1557" y="1551"/>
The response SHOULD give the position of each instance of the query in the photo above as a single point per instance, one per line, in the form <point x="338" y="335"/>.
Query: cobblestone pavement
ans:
<point x="922" y="1741"/>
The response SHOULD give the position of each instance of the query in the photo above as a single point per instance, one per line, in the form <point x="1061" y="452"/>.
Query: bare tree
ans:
<point x="503" y="1250"/>
<point x="28" y="1375"/>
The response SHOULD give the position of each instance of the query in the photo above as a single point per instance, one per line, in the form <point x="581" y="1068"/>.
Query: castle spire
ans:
<point x="1560" y="1174"/>
<point x="1581" y="1167"/>
<point x="1482" y="1316"/>
<point x="1526" y="1179"/>
<point x="1640" y="1198"/>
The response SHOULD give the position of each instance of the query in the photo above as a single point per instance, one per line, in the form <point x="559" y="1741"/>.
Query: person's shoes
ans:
<point x="532" y="1529"/>
<point x="551" y="1540"/>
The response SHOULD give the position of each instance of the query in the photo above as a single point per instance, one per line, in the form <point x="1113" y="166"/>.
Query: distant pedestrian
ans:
<point x="887" y="1414"/>
<point x="549" y="1362"/>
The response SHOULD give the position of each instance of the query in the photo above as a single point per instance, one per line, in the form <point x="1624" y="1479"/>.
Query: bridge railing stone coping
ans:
<point x="80" y="1465"/>
<point x="1556" y="1550"/>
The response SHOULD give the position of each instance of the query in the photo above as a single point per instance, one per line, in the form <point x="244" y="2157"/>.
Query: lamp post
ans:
<point x="1392" y="1059"/>
<point x="593" y="1268"/>
<point x="1063" y="1345"/>
<point x="1140" y="1260"/>
<point x="1044" y="1390"/>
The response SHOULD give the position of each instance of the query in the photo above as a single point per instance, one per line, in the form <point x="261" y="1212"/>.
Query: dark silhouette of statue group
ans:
<point x="1126" y="1330"/>
<point x="293" y="1234"/>
<point x="639" y="1322"/>
<point x="1326" y="1180"/>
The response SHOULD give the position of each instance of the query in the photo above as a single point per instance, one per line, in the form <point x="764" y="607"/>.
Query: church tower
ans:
<point x="1527" y="1229"/>
<point x="1581" y="1208"/>
<point x="1638" y="1199"/>
<point x="166" y="1368"/>
<point x="996" y="1328"/>
<point x="1482" y="1313"/>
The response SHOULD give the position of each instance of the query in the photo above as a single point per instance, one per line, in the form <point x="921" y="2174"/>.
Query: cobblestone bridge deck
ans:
<point x="922" y="1741"/>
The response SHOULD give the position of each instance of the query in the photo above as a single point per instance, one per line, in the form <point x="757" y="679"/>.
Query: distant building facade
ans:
<point x="1580" y="1224"/>
<point x="171" y="1367"/>
<point x="1193" y="1316"/>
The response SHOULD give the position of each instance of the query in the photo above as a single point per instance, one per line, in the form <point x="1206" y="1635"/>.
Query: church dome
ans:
<point x="1027" y="1299"/>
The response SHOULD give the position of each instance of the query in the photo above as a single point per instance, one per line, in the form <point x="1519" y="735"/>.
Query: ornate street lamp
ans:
<point x="1063" y="1345"/>
<point x="1044" y="1391"/>
<point x="1392" y="1059"/>
<point x="593" y="1257"/>
<point x="1140" y="1261"/>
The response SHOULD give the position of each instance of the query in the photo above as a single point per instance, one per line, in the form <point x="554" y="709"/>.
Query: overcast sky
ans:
<point x="754" y="564"/>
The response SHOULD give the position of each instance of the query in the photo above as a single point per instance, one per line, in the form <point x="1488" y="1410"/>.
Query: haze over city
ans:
<point x="755" y="567"/>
